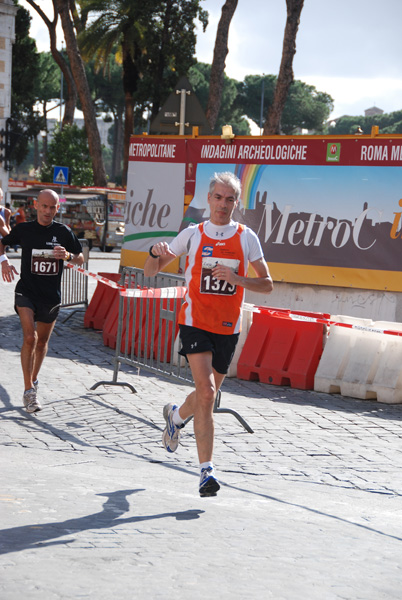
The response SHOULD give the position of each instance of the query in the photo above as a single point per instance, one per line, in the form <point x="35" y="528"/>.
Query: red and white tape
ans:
<point x="178" y="292"/>
<point x="104" y="280"/>
<point x="169" y="292"/>
<point x="327" y="321"/>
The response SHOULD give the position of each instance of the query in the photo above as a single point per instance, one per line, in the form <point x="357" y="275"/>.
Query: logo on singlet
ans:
<point x="207" y="250"/>
<point x="227" y="324"/>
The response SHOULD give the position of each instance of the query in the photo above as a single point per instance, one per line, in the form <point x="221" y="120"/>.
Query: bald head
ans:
<point x="48" y="193"/>
<point x="46" y="206"/>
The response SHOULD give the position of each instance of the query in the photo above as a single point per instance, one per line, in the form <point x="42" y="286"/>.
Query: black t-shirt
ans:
<point x="40" y="278"/>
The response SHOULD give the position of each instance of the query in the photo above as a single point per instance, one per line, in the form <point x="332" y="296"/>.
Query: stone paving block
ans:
<point x="318" y="468"/>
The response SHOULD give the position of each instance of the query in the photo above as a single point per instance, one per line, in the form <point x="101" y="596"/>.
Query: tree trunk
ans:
<point x="117" y="145"/>
<point x="273" y="123"/>
<point x="156" y="103"/>
<point x="36" y="153"/>
<point x="131" y="77"/>
<point x="71" y="100"/>
<point x="218" y="64"/>
<point x="77" y="68"/>
<point x="44" y="147"/>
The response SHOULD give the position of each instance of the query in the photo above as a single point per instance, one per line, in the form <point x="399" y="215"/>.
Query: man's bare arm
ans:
<point x="262" y="283"/>
<point x="163" y="255"/>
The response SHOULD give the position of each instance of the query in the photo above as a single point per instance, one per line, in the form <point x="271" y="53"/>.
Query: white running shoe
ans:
<point x="171" y="433"/>
<point x="31" y="403"/>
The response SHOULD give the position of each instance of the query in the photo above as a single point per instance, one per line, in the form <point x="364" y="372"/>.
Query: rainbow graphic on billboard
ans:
<point x="249" y="176"/>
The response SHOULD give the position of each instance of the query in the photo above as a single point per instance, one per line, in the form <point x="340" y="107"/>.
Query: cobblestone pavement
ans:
<point x="92" y="506"/>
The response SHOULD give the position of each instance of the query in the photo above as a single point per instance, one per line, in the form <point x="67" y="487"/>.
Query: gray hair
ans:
<point x="226" y="178"/>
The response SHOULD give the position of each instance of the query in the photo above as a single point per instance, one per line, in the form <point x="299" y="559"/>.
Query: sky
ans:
<point x="350" y="49"/>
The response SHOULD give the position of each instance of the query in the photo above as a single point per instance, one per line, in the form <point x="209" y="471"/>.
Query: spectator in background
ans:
<point x="3" y="228"/>
<point x="12" y="218"/>
<point x="5" y="213"/>
<point x="19" y="215"/>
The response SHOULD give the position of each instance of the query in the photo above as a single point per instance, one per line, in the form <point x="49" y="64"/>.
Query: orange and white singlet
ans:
<point x="213" y="304"/>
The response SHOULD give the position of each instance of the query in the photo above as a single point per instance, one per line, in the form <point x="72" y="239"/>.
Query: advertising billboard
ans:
<point x="326" y="210"/>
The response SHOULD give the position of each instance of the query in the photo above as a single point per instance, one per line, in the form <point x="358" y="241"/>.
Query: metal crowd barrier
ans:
<point x="74" y="285"/>
<point x="147" y="332"/>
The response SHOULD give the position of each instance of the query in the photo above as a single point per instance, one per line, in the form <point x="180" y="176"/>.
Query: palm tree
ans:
<point x="71" y="99"/>
<point x="117" y="22"/>
<point x="65" y="9"/>
<point x="218" y="64"/>
<point x="156" y="43"/>
<point x="285" y="78"/>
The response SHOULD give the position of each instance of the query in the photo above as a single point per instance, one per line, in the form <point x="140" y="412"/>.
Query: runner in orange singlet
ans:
<point x="218" y="254"/>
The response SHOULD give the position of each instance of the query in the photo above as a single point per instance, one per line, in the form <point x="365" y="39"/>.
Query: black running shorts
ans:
<point x="194" y="341"/>
<point x="44" y="313"/>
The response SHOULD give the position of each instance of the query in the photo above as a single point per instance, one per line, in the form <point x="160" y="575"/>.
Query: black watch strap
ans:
<point x="152" y="254"/>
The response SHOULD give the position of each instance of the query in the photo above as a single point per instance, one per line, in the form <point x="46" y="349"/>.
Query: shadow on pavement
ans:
<point x="21" y="538"/>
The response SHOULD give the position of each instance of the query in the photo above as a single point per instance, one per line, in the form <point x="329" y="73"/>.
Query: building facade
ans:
<point x="8" y="11"/>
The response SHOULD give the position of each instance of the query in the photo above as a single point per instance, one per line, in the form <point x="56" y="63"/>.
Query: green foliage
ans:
<point x="230" y="113"/>
<point x="47" y="84"/>
<point x="305" y="107"/>
<point x="388" y="123"/>
<point x="170" y="43"/>
<point x="395" y="128"/>
<point x="250" y="95"/>
<point x="69" y="148"/>
<point x="156" y="40"/>
<point x="26" y="121"/>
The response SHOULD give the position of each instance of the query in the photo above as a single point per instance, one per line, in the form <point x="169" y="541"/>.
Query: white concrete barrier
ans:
<point x="338" y="354"/>
<point x="387" y="382"/>
<point x="362" y="364"/>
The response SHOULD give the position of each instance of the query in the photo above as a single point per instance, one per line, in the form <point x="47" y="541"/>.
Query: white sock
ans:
<point x="207" y="464"/>
<point x="177" y="420"/>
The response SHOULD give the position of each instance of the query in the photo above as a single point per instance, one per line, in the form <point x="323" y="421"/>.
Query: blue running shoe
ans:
<point x="208" y="483"/>
<point x="171" y="433"/>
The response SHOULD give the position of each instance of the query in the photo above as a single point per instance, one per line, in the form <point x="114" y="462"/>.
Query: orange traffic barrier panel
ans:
<point x="281" y="351"/>
<point x="110" y="325"/>
<point x="101" y="301"/>
<point x="163" y="336"/>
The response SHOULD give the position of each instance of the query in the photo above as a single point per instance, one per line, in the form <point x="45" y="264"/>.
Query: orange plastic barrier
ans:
<point x="109" y="328"/>
<point x="101" y="301"/>
<point x="281" y="351"/>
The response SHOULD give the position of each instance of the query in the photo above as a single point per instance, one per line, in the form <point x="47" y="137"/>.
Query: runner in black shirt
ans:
<point x="45" y="245"/>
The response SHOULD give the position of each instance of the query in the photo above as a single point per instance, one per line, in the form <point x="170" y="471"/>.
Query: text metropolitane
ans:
<point x="153" y="150"/>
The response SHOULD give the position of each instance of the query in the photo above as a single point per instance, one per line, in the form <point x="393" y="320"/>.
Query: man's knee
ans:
<point x="30" y="338"/>
<point x="206" y="395"/>
<point x="41" y="343"/>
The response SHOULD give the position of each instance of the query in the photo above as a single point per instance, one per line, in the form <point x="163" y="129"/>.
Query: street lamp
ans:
<point x="262" y="102"/>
